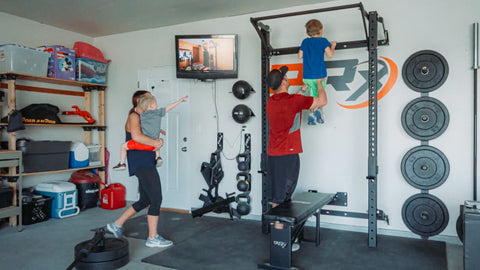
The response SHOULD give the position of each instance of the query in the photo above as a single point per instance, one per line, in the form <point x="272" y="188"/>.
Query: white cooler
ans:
<point x="64" y="195"/>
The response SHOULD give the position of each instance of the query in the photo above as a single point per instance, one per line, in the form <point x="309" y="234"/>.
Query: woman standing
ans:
<point x="142" y="164"/>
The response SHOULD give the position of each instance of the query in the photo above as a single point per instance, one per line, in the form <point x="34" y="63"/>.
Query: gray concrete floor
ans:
<point x="50" y="244"/>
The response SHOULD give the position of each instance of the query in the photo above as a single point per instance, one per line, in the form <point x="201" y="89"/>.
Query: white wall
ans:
<point x="335" y="156"/>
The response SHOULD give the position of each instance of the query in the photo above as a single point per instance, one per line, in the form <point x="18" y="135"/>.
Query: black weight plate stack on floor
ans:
<point x="425" y="167"/>
<point x="112" y="255"/>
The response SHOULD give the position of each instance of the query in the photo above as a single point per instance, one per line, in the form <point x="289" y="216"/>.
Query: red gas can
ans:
<point x="113" y="196"/>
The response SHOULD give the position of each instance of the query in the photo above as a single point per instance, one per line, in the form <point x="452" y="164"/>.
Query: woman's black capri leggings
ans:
<point x="150" y="189"/>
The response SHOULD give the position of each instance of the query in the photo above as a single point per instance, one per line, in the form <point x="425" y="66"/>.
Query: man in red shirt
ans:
<point x="284" y="112"/>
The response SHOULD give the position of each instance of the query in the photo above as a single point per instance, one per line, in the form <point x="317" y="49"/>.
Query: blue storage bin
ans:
<point x="64" y="196"/>
<point x="89" y="70"/>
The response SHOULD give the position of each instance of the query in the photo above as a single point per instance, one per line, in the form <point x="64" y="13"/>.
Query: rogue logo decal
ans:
<point x="280" y="244"/>
<point x="352" y="67"/>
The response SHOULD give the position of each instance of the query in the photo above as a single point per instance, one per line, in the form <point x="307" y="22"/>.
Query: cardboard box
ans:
<point x="61" y="64"/>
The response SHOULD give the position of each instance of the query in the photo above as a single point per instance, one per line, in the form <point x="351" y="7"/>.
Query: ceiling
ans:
<point x="96" y="18"/>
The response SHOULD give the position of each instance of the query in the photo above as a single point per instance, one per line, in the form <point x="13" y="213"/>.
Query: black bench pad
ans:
<point x="300" y="208"/>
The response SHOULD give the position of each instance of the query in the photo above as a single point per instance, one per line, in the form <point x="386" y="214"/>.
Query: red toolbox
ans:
<point x="113" y="196"/>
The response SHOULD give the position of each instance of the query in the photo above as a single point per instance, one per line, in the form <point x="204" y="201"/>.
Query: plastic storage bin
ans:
<point x="35" y="208"/>
<point x="64" y="195"/>
<point x="78" y="155"/>
<point x="61" y="64"/>
<point x="20" y="59"/>
<point x="85" y="50"/>
<point x="41" y="156"/>
<point x="89" y="70"/>
<point x="88" y="188"/>
<point x="94" y="155"/>
<point x="6" y="196"/>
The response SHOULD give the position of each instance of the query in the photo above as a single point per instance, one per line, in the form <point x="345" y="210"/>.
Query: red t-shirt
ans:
<point x="284" y="112"/>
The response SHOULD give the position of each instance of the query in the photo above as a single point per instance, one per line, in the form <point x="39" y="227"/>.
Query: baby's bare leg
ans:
<point x="123" y="152"/>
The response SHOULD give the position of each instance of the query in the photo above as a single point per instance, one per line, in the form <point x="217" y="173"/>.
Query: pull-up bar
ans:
<point x="371" y="42"/>
<point x="259" y="26"/>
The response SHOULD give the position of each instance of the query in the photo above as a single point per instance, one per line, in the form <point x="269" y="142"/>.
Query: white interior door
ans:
<point x="163" y="85"/>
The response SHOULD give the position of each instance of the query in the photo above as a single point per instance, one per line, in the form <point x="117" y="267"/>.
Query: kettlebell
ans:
<point x="243" y="204"/>
<point x="243" y="161"/>
<point x="243" y="181"/>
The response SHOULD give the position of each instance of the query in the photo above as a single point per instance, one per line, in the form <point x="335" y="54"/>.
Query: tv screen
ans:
<point x="206" y="56"/>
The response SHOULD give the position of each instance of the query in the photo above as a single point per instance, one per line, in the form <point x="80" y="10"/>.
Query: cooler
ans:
<point x="78" y="155"/>
<point x="113" y="196"/>
<point x="61" y="64"/>
<point x="21" y="59"/>
<point x="64" y="195"/>
<point x="88" y="188"/>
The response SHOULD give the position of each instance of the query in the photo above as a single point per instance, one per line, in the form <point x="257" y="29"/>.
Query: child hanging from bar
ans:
<point x="150" y="121"/>
<point x="312" y="51"/>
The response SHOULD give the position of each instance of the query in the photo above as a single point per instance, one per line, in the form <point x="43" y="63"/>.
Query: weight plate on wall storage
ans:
<point x="425" y="71"/>
<point x="425" y="167"/>
<point x="425" y="214"/>
<point x="425" y="118"/>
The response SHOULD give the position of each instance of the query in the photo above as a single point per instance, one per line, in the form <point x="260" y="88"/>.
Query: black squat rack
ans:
<point x="370" y="22"/>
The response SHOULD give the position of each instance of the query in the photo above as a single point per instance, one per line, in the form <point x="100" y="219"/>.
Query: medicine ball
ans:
<point x="241" y="89"/>
<point x="241" y="113"/>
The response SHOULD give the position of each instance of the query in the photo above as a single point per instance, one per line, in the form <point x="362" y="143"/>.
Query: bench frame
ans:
<point x="293" y="215"/>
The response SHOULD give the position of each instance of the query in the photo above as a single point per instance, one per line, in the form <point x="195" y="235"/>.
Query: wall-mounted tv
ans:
<point x="206" y="57"/>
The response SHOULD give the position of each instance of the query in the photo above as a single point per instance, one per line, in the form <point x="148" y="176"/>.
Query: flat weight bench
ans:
<point x="293" y="215"/>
